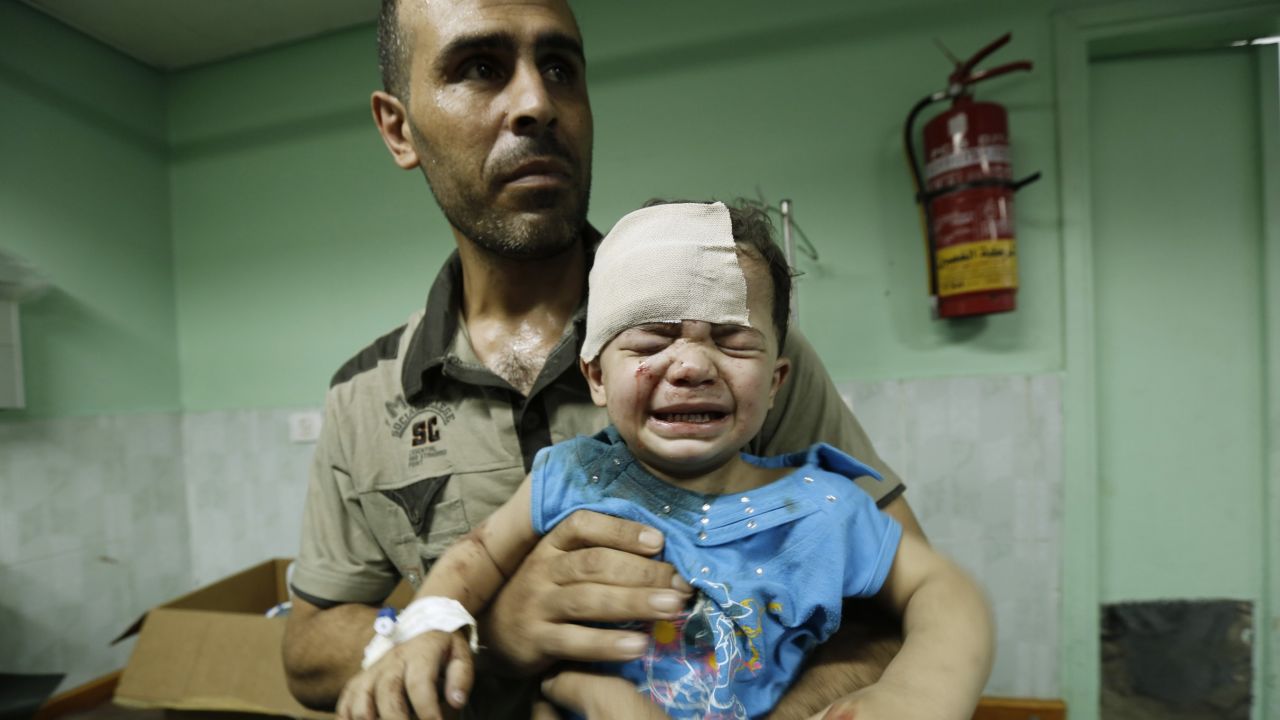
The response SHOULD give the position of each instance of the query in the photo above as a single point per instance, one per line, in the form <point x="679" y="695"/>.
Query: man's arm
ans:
<point x="323" y="648"/>
<point x="339" y="560"/>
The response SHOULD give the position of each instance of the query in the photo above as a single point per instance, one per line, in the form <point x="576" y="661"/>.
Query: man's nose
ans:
<point x="691" y="367"/>
<point x="533" y="110"/>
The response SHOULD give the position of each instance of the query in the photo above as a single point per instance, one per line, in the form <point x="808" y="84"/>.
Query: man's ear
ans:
<point x="392" y="119"/>
<point x="595" y="379"/>
<point x="781" y="369"/>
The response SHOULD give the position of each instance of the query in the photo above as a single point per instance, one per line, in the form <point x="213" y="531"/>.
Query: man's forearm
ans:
<point x="323" y="650"/>
<point x="867" y="641"/>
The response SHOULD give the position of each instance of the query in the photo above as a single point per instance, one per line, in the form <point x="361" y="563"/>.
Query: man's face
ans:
<point x="688" y="396"/>
<point x="500" y="119"/>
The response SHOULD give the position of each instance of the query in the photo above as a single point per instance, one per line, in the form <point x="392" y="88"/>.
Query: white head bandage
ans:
<point x="664" y="264"/>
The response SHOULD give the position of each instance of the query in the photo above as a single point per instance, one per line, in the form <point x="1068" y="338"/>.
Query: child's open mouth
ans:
<point x="702" y="417"/>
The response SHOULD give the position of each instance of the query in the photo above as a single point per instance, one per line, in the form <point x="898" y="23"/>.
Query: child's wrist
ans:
<point x="422" y="615"/>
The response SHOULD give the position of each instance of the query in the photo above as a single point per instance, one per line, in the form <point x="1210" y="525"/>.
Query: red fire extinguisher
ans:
<point x="965" y="190"/>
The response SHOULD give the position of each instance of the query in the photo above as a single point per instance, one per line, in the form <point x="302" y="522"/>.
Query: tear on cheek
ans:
<point x="643" y="371"/>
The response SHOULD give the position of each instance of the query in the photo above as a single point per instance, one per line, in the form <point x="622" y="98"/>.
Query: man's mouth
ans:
<point x="538" y="172"/>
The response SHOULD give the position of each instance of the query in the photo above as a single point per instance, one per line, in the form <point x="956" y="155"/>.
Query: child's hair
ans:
<point x="753" y="232"/>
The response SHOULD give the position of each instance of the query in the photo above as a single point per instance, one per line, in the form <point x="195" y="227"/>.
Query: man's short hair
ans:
<point x="393" y="51"/>
<point x="753" y="233"/>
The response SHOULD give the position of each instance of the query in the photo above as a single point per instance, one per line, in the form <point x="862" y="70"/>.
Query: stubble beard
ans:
<point x="555" y="225"/>
<point x="551" y="222"/>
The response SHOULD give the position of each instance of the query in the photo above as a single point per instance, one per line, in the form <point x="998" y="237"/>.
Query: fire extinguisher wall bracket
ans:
<point x="1014" y="185"/>
<point x="965" y="190"/>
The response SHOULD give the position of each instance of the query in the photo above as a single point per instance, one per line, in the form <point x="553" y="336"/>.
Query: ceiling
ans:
<point x="176" y="34"/>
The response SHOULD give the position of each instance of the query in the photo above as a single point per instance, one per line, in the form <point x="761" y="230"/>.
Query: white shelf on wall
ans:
<point x="11" y="392"/>
<point x="18" y="282"/>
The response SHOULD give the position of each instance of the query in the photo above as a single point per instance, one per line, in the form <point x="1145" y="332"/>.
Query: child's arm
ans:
<point x="478" y="563"/>
<point x="947" y="648"/>
<point x="470" y="571"/>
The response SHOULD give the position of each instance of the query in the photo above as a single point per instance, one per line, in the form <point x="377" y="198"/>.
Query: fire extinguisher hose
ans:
<point x="917" y="179"/>
<point x="959" y="83"/>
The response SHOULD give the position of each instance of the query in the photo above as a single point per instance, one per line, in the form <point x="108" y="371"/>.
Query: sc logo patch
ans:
<point x="426" y="431"/>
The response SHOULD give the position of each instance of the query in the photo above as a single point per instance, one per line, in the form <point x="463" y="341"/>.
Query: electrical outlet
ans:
<point x="304" y="427"/>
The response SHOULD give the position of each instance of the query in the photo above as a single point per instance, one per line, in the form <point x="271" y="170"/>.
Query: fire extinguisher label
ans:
<point x="992" y="159"/>
<point x="977" y="267"/>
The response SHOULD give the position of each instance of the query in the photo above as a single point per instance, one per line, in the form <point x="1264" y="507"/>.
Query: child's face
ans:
<point x="686" y="397"/>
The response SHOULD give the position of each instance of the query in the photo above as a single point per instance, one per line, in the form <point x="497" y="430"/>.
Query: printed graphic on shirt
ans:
<point x="693" y="662"/>
<point x="421" y="427"/>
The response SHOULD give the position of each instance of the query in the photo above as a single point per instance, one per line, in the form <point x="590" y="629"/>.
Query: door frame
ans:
<point x="1079" y="36"/>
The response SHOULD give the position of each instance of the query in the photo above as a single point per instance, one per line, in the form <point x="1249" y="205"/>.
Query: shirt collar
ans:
<point x="429" y="347"/>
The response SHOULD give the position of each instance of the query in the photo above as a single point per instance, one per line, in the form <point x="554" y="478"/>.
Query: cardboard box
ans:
<point x="215" y="650"/>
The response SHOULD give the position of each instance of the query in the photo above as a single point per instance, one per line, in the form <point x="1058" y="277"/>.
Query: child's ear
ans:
<point x="595" y="379"/>
<point x="781" y="369"/>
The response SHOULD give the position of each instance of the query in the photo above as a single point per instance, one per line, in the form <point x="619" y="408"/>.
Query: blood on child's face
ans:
<point x="687" y="397"/>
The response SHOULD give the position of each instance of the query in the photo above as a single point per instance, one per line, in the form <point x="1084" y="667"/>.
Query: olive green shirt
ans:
<point x="421" y="442"/>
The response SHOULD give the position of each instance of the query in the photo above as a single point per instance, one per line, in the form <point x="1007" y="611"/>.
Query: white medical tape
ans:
<point x="380" y="645"/>
<point x="664" y="264"/>
<point x="422" y="615"/>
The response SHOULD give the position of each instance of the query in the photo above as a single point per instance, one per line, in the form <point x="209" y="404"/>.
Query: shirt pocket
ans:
<point x="436" y="516"/>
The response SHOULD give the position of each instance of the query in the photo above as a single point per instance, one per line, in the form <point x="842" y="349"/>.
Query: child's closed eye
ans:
<point x="648" y="339"/>
<point x="740" y="339"/>
<point x="646" y="346"/>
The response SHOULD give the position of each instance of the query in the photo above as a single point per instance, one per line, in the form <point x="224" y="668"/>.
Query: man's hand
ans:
<point x="591" y="568"/>
<point x="403" y="683"/>
<point x="599" y="697"/>
<point x="879" y="702"/>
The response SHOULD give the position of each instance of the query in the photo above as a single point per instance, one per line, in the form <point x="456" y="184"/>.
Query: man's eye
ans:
<point x="559" y="73"/>
<point x="480" y="70"/>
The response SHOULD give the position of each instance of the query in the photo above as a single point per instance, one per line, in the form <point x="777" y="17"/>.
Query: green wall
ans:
<point x="84" y="197"/>
<point x="297" y="241"/>
<point x="1178" y="258"/>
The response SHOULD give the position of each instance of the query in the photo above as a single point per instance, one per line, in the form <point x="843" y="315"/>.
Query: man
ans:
<point x="434" y="425"/>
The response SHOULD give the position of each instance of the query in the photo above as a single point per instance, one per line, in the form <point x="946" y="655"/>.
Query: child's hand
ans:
<point x="404" y="682"/>
<point x="599" y="697"/>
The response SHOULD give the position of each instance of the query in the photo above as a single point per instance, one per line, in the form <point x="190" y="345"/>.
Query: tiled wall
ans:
<point x="93" y="530"/>
<point x="982" y="458"/>
<point x="246" y="484"/>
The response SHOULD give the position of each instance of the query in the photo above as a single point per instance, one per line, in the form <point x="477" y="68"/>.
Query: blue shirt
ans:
<point x="770" y="566"/>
